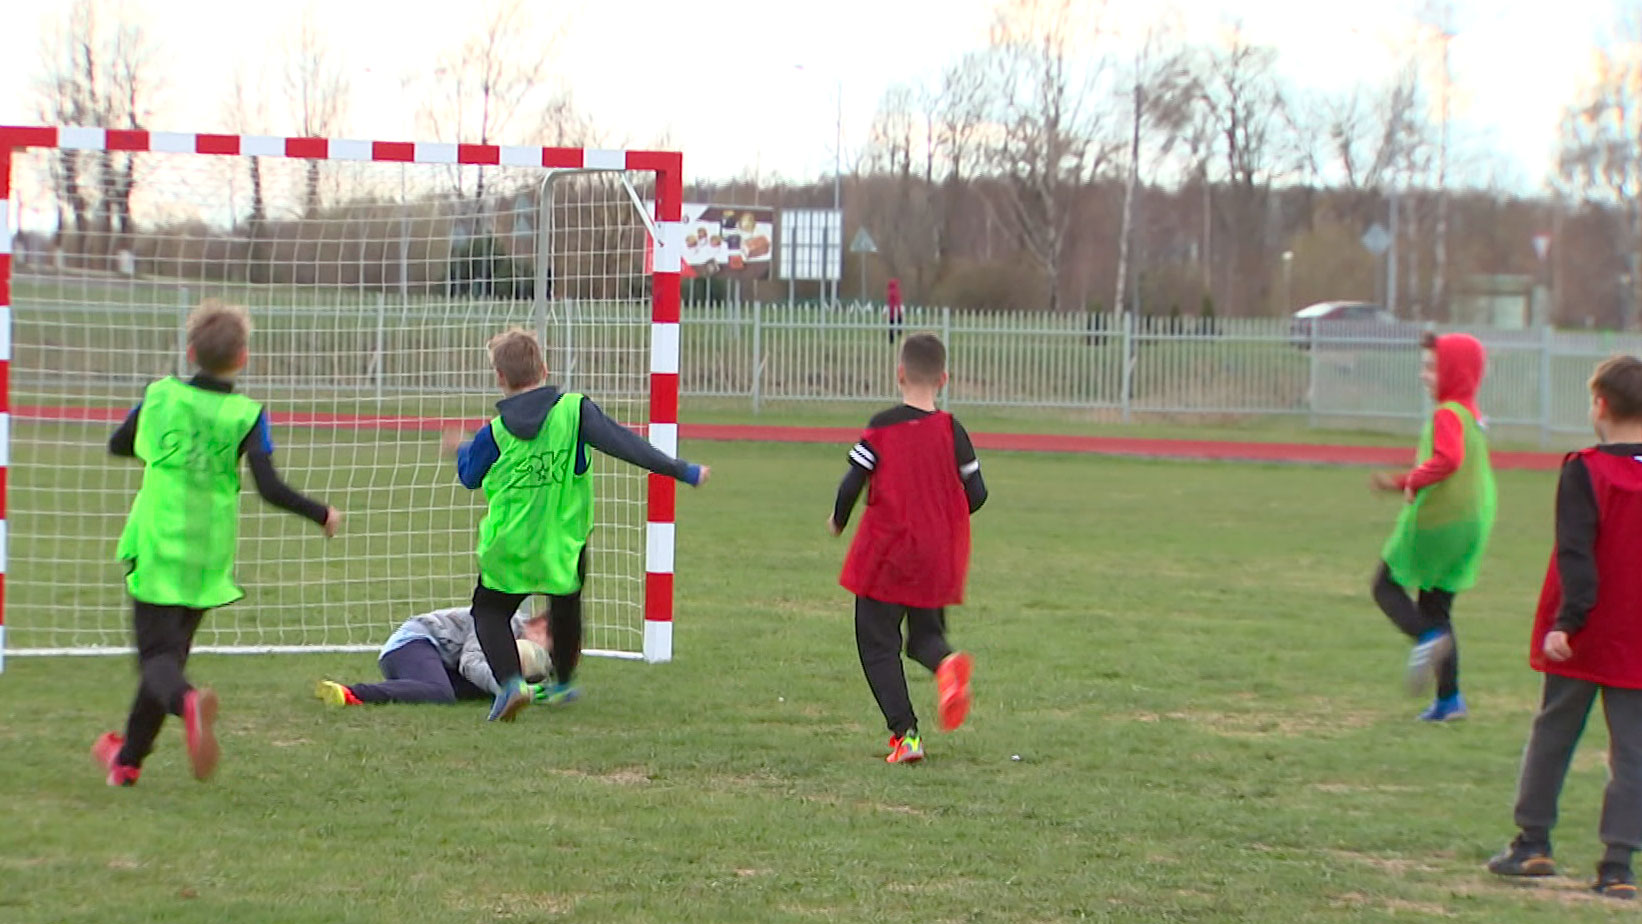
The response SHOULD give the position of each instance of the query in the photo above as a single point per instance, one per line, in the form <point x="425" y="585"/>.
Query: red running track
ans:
<point x="1185" y="449"/>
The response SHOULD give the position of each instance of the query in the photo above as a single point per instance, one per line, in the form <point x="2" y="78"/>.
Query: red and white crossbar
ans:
<point x="668" y="252"/>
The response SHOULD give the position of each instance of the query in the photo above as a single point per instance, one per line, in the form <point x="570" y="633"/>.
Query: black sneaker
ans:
<point x="1524" y="858"/>
<point x="1615" y="880"/>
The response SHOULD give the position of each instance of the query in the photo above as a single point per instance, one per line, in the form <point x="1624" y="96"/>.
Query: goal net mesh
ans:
<point x="373" y="288"/>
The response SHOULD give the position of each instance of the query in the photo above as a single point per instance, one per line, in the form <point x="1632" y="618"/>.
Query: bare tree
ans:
<point x="245" y="111"/>
<point x="317" y="92"/>
<point x="1162" y="93"/>
<point x="958" y="111"/>
<point x="1048" y="140"/>
<point x="1436" y="23"/>
<point x="1248" y="108"/>
<point x="99" y="68"/>
<point x="1369" y="135"/>
<point x="496" y="86"/>
<point x="1601" y="151"/>
<point x="900" y="159"/>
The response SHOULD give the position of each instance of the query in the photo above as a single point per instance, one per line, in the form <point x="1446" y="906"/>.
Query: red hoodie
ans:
<point x="1461" y="361"/>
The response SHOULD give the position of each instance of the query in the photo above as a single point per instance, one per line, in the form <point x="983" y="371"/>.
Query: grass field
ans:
<point x="1183" y="656"/>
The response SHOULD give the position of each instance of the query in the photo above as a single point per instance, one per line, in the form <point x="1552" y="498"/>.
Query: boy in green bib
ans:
<point x="179" y="540"/>
<point x="1442" y="532"/>
<point x="532" y="462"/>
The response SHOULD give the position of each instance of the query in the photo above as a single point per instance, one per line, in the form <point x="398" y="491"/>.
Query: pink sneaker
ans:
<point x="106" y="753"/>
<point x="199" y="719"/>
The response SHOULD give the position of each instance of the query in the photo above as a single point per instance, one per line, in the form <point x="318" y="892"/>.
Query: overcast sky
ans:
<point x="720" y="80"/>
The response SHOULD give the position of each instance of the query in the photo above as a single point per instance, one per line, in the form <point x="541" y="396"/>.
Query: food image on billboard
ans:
<point x="731" y="241"/>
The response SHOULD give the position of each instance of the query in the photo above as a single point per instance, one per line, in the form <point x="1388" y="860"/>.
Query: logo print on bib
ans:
<point x="540" y="469"/>
<point x="194" y="451"/>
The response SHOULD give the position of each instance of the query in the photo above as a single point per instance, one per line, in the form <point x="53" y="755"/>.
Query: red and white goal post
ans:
<point x="375" y="272"/>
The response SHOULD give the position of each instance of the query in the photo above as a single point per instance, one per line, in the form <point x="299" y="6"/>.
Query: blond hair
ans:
<point x="218" y="335"/>
<point x="517" y="356"/>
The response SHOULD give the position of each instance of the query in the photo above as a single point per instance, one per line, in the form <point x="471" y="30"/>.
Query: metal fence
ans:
<point x="1128" y="366"/>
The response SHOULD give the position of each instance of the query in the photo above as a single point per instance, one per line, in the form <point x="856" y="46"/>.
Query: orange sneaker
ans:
<point x="952" y="680"/>
<point x="199" y="719"/>
<point x="905" y="749"/>
<point x="106" y="753"/>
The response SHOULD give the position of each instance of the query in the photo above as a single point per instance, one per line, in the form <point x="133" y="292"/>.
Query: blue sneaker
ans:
<point x="510" y="699"/>
<point x="1428" y="652"/>
<point x="1446" y="709"/>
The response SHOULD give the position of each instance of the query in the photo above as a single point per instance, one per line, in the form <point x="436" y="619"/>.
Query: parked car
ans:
<point x="1351" y="325"/>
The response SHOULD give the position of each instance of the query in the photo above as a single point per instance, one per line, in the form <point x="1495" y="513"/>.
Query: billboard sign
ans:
<point x="812" y="244"/>
<point x="731" y="241"/>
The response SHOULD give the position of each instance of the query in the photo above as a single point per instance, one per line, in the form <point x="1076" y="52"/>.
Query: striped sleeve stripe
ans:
<point x="861" y="454"/>
<point x="969" y="468"/>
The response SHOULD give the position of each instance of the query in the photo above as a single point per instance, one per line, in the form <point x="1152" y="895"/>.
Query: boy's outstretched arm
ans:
<point x="124" y="440"/>
<point x="613" y="439"/>
<point x="258" y="449"/>
<point x="475" y="456"/>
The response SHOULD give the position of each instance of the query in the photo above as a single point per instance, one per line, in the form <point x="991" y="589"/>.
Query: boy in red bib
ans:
<point x="1587" y="639"/>
<point x="910" y="555"/>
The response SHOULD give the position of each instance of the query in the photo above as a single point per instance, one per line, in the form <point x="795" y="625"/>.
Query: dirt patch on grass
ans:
<point x="868" y="804"/>
<point x="620" y="776"/>
<point x="1396" y="866"/>
<point x="1393" y="905"/>
<point x="510" y="905"/>
<point x="1352" y="788"/>
<point x="1293" y="724"/>
<point x="1589" y="758"/>
<point x="1558" y="890"/>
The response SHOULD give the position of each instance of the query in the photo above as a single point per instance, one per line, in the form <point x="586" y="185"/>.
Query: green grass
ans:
<point x="1184" y="657"/>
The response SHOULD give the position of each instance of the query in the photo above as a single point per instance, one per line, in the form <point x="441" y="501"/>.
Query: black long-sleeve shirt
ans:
<point x="864" y="458"/>
<point x="1577" y="519"/>
<point x="257" y="448"/>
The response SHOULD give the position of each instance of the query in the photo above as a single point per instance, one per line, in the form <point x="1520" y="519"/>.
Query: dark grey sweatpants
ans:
<point x="1557" y="728"/>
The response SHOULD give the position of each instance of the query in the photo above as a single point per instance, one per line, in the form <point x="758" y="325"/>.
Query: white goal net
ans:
<point x="373" y="284"/>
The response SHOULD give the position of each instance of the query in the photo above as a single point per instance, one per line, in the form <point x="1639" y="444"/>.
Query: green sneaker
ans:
<point x="555" y="694"/>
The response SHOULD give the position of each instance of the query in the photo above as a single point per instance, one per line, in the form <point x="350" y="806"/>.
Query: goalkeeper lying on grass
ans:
<point x="435" y="658"/>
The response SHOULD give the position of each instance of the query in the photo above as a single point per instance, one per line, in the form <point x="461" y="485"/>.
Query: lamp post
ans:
<point x="837" y="180"/>
<point x="1288" y="281"/>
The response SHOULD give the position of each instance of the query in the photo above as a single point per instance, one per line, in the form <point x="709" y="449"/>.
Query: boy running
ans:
<point x="180" y="537"/>
<point x="910" y="555"/>
<point x="1588" y="641"/>
<point x="533" y="464"/>
<point x="1442" y="532"/>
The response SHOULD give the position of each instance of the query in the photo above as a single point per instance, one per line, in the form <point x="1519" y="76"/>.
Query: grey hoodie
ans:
<point x="451" y="631"/>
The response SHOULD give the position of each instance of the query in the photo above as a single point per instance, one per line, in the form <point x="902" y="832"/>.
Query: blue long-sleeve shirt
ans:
<point x="524" y="415"/>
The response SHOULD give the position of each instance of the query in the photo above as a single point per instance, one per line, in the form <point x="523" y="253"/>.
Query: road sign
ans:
<point x="1542" y="244"/>
<point x="863" y="242"/>
<point x="1377" y="239"/>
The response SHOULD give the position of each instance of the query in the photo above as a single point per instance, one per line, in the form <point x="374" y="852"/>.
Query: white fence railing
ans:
<point x="1129" y="365"/>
